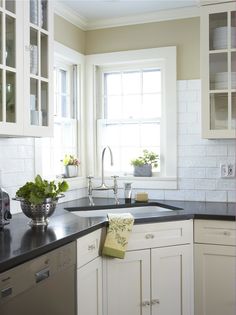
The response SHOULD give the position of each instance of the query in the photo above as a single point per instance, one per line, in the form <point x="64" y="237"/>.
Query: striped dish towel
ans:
<point x="119" y="229"/>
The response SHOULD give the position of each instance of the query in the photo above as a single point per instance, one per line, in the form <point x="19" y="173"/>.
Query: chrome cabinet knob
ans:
<point x="145" y="303"/>
<point x="155" y="301"/>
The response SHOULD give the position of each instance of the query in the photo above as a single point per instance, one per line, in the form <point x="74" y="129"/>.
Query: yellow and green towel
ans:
<point x="119" y="229"/>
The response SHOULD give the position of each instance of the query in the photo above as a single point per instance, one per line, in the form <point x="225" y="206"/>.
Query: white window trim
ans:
<point x="169" y="140"/>
<point x="69" y="56"/>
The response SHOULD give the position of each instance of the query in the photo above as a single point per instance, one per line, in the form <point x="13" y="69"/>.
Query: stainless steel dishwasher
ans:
<point x="45" y="285"/>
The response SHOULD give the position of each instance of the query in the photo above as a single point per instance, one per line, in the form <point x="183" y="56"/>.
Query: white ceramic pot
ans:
<point x="71" y="170"/>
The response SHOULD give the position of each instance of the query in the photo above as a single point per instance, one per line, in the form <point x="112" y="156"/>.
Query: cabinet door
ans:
<point x="11" y="67"/>
<point x="38" y="68"/>
<point x="172" y="280"/>
<point x="218" y="55"/>
<point x="127" y="284"/>
<point x="215" y="285"/>
<point x="89" y="288"/>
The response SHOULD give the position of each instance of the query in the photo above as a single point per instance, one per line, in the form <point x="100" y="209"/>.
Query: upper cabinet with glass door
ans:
<point x="26" y="67"/>
<point x="11" y="67"/>
<point x="218" y="70"/>
<point x="38" y="68"/>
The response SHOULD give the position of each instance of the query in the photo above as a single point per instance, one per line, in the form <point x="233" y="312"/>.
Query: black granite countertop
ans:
<point x="19" y="243"/>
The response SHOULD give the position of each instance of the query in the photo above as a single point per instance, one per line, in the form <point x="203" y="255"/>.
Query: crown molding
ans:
<point x="70" y="15"/>
<point x="163" y="15"/>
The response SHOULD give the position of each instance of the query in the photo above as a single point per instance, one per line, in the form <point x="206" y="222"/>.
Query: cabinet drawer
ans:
<point x="88" y="247"/>
<point x="161" y="234"/>
<point x="215" y="232"/>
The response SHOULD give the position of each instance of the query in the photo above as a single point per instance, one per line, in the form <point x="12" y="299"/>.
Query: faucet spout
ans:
<point x="111" y="156"/>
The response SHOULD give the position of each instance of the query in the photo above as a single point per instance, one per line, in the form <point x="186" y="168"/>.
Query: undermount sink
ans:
<point x="139" y="210"/>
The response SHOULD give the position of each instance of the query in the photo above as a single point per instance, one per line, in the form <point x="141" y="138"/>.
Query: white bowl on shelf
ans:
<point x="220" y="37"/>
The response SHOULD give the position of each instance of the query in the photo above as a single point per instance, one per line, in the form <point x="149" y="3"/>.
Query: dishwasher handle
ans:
<point x="42" y="275"/>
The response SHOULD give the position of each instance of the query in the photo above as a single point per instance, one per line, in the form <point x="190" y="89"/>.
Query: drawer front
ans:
<point x="215" y="232"/>
<point x="161" y="234"/>
<point x="89" y="247"/>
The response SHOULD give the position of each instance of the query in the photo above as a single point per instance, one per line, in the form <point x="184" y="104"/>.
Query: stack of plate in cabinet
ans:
<point x="221" y="80"/>
<point x="220" y="37"/>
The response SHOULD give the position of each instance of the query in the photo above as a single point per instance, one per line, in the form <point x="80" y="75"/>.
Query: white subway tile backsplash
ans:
<point x="190" y="117"/>
<point x="191" y="172"/>
<point x="216" y="196"/>
<point x="213" y="172"/>
<point x="226" y="184"/>
<point x="205" y="184"/>
<point x="184" y="184"/>
<point x="194" y="195"/>
<point x="194" y="85"/>
<point x="216" y="150"/>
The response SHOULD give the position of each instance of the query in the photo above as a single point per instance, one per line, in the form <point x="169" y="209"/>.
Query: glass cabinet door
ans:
<point x="222" y="70"/>
<point x="8" y="62"/>
<point x="39" y="62"/>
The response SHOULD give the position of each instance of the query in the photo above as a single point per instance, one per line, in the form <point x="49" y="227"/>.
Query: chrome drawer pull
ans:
<point x="149" y="236"/>
<point x="155" y="301"/>
<point x="226" y="233"/>
<point x="91" y="247"/>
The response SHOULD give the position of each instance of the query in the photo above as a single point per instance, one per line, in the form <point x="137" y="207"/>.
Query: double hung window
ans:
<point x="129" y="119"/>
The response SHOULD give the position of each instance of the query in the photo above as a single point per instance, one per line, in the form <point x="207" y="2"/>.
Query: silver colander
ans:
<point x="38" y="213"/>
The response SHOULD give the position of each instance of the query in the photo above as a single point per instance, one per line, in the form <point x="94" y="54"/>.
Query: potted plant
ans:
<point x="71" y="164"/>
<point x="143" y="164"/>
<point x="39" y="199"/>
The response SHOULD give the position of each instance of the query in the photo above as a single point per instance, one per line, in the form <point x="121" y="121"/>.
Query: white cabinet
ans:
<point x="218" y="74"/>
<point x="152" y="280"/>
<point x="215" y="267"/>
<point x="89" y="274"/>
<point x="89" y="288"/>
<point x="26" y="67"/>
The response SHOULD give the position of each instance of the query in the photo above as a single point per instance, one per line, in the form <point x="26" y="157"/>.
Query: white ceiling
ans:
<point x="102" y="10"/>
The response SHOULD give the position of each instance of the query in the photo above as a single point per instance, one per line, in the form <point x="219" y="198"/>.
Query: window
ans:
<point x="67" y="100"/>
<point x="131" y="110"/>
<point x="131" y="105"/>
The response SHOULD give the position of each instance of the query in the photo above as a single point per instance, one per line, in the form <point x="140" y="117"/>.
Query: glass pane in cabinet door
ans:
<point x="34" y="59"/>
<point x="10" y="96"/>
<point x="34" y="12"/>
<point x="44" y="103"/>
<point x="233" y="121"/>
<point x="218" y="71"/>
<point x="44" y="14"/>
<point x="233" y="70"/>
<point x="11" y="6"/>
<point x="44" y="55"/>
<point x="35" y="114"/>
<point x="10" y="41"/>
<point x="218" y="31"/>
<point x="233" y="29"/>
<point x="1" y="107"/>
<point x="219" y="111"/>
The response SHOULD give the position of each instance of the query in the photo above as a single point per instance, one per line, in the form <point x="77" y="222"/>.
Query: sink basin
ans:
<point x="141" y="210"/>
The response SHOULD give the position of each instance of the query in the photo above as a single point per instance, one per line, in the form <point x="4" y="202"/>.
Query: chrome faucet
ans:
<point x="103" y="186"/>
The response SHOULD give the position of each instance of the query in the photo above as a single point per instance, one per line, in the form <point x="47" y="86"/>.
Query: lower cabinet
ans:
<point x="156" y="280"/>
<point x="215" y="280"/>
<point x="89" y="288"/>
<point x="215" y="267"/>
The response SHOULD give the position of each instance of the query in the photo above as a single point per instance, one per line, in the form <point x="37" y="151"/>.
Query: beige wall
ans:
<point x="68" y="34"/>
<point x="185" y="34"/>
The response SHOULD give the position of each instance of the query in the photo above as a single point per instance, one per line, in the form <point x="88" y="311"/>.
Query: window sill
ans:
<point x="142" y="182"/>
<point x="75" y="182"/>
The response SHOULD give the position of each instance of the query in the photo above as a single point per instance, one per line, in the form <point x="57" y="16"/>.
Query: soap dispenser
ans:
<point x="5" y="214"/>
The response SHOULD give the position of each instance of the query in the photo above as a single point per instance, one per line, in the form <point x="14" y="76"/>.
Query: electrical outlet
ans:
<point x="227" y="170"/>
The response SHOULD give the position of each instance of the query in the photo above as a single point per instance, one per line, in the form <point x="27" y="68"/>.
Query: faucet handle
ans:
<point x="90" y="177"/>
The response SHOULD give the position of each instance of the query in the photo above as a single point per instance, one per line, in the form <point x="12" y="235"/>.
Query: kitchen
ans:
<point x="197" y="157"/>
